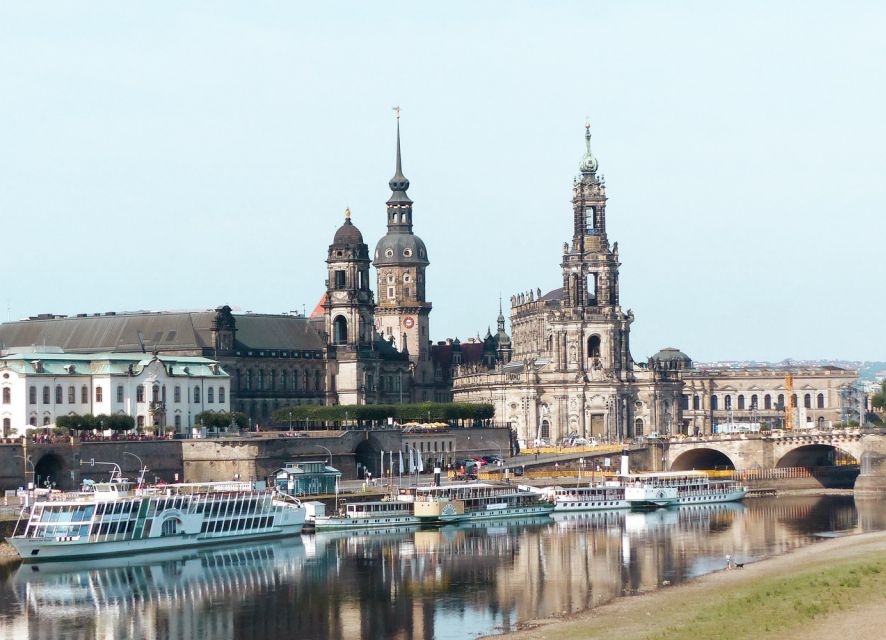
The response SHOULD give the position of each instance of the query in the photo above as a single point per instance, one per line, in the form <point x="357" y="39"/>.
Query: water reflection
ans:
<point x="409" y="583"/>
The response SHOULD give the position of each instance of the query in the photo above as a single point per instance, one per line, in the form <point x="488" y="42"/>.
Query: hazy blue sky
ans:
<point x="169" y="155"/>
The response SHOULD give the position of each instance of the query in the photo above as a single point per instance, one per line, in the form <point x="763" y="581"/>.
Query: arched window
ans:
<point x="7" y="395"/>
<point x="283" y="380"/>
<point x="638" y="426"/>
<point x="780" y="404"/>
<point x="58" y="395"/>
<point x="754" y="404"/>
<point x="140" y="421"/>
<point x="821" y="422"/>
<point x="261" y="379"/>
<point x="98" y="394"/>
<point x="696" y="402"/>
<point x="84" y="394"/>
<point x="221" y="395"/>
<point x="794" y="401"/>
<point x="317" y="380"/>
<point x="7" y="425"/>
<point x="741" y="402"/>
<point x="210" y="395"/>
<point x="305" y="381"/>
<point x="46" y="394"/>
<point x="715" y="403"/>
<point x="820" y="401"/>
<point x="339" y="330"/>
<point x="248" y="379"/>
<point x="767" y="401"/>
<point x="545" y="429"/>
<point x="807" y="400"/>
<point x="155" y="393"/>
<point x="33" y="421"/>
<point x="727" y="402"/>
<point x="45" y="420"/>
<point x="72" y="395"/>
<point x="272" y="383"/>
<point x="196" y="394"/>
<point x="594" y="347"/>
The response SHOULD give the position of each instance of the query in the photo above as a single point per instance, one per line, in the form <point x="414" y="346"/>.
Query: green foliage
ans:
<point x="878" y="400"/>
<point x="88" y="422"/>
<point x="222" y="421"/>
<point x="374" y="413"/>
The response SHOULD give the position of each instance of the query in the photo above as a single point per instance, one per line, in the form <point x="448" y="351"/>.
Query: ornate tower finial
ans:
<point x="397" y="111"/>
<point x="347" y="214"/>
<point x="588" y="161"/>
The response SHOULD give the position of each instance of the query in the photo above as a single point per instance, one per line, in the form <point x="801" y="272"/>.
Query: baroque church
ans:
<point x="569" y="369"/>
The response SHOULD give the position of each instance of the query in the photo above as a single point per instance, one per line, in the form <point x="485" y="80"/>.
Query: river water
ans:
<point x="451" y="583"/>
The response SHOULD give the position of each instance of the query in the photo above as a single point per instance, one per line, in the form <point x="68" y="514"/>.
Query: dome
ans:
<point x="348" y="234"/>
<point x="401" y="249"/>
<point x="671" y="358"/>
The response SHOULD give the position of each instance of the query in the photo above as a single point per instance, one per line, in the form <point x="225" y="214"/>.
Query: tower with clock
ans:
<point x="401" y="313"/>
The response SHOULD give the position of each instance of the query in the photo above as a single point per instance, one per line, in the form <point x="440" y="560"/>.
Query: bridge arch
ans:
<point x="815" y="455"/>
<point x="368" y="458"/>
<point x="702" y="458"/>
<point x="50" y="467"/>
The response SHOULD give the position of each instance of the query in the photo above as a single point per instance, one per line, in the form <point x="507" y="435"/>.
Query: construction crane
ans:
<point x="788" y="402"/>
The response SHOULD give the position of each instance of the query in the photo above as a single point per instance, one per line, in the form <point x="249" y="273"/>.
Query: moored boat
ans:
<point x="117" y="518"/>
<point x="673" y="488"/>
<point x="365" y="515"/>
<point x="474" y="501"/>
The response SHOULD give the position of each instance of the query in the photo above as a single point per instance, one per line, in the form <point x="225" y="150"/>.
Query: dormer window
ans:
<point x="407" y="252"/>
<point x="389" y="253"/>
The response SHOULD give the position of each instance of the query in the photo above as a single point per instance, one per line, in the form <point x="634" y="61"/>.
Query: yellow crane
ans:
<point x="788" y="402"/>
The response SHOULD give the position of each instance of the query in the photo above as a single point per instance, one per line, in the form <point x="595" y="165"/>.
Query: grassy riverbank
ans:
<point x="833" y="588"/>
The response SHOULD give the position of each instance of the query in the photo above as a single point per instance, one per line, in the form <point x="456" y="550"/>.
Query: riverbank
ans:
<point x="835" y="588"/>
<point x="8" y="556"/>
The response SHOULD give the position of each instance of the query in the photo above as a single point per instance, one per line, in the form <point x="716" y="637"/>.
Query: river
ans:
<point x="451" y="583"/>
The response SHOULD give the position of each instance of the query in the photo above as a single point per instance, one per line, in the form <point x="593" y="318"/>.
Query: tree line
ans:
<point x="360" y="414"/>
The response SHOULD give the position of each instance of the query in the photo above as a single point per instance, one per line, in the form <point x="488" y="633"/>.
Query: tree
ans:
<point x="222" y="420"/>
<point x="878" y="400"/>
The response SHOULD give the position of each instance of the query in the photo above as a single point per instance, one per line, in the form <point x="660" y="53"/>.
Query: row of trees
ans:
<point x="222" y="421"/>
<point x="375" y="413"/>
<point x="88" y="422"/>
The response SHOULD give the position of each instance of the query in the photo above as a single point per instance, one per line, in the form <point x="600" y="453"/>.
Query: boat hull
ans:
<point x="500" y="514"/>
<point x="60" y="551"/>
<point x="334" y="523"/>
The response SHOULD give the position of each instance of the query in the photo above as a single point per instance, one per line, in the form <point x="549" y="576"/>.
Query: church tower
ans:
<point x="349" y="300"/>
<point x="400" y="262"/>
<point x="590" y="279"/>
<point x="348" y="307"/>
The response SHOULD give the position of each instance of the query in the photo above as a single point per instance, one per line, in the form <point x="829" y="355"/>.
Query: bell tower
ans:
<point x="590" y="278"/>
<point x="401" y="259"/>
<point x="349" y="300"/>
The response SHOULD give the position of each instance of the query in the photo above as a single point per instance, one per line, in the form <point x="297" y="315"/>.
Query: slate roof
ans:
<point x="160" y="331"/>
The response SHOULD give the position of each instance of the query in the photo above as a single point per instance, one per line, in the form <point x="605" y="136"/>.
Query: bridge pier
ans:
<point x="872" y="479"/>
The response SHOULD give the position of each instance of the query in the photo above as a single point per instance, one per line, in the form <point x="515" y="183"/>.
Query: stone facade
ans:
<point x="572" y="372"/>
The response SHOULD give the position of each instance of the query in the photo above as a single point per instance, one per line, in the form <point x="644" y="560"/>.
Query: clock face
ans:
<point x="409" y="323"/>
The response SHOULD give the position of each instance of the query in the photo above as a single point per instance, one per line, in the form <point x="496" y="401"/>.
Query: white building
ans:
<point x="157" y="391"/>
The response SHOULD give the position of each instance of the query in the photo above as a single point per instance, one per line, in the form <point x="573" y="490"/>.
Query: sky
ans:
<point x="185" y="155"/>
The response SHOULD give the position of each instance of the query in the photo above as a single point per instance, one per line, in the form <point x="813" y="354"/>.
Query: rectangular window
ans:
<point x="177" y="394"/>
<point x="84" y="394"/>
<point x="391" y="292"/>
<point x="140" y="393"/>
<point x="32" y="395"/>
<point x="339" y="279"/>
<point x="98" y="394"/>
<point x="210" y="395"/>
<point x="119" y="393"/>
<point x="221" y="395"/>
<point x="406" y="292"/>
<point x="590" y="223"/>
<point x="46" y="394"/>
<point x="178" y="422"/>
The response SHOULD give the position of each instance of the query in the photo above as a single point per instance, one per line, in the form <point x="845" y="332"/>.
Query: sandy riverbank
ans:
<point x="835" y="588"/>
<point x="8" y="556"/>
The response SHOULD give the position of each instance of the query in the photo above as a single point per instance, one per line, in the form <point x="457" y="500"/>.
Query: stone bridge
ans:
<point x="780" y="449"/>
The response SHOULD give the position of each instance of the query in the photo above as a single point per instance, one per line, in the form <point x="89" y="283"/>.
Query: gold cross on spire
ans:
<point x="397" y="112"/>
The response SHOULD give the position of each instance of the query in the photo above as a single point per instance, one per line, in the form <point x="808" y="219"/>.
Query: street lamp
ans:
<point x="290" y="421"/>
<point x="142" y="468"/>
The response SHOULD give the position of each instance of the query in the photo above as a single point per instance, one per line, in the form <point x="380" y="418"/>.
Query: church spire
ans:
<point x="399" y="183"/>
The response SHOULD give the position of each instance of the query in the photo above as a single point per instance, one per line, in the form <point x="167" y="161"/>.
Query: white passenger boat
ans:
<point x="670" y="488"/>
<point x="365" y="515"/>
<point x="473" y="501"/>
<point x="115" y="518"/>
<point x="606" y="496"/>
